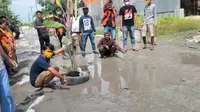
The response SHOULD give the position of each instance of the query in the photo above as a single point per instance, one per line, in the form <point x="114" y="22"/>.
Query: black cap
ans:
<point x="85" y="8"/>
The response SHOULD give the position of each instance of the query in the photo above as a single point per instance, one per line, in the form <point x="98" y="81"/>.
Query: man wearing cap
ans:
<point x="87" y="29"/>
<point x="128" y="18"/>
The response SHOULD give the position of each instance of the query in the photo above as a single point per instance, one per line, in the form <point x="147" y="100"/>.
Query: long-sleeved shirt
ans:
<point x="109" y="43"/>
<point x="150" y="14"/>
<point x="86" y="24"/>
<point x="41" y="31"/>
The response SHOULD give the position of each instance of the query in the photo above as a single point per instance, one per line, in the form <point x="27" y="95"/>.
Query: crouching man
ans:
<point x="108" y="47"/>
<point x="42" y="72"/>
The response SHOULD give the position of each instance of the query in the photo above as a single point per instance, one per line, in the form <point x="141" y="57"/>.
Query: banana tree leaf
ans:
<point x="51" y="24"/>
<point x="67" y="43"/>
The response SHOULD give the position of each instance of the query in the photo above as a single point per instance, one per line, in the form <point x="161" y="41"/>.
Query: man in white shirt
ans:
<point x="76" y="33"/>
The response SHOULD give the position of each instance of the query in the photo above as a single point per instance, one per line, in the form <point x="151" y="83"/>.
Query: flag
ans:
<point x="88" y="2"/>
<point x="58" y="3"/>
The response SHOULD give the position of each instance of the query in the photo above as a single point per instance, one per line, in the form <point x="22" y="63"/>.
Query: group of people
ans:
<point x="8" y="62"/>
<point x="42" y="73"/>
<point x="83" y="27"/>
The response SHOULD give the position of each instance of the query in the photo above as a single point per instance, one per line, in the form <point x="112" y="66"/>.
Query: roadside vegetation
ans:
<point x="170" y="25"/>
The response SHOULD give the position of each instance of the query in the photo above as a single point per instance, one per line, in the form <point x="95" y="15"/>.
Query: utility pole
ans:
<point x="31" y="14"/>
<point x="36" y="5"/>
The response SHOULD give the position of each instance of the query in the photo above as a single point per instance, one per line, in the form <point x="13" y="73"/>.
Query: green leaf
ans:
<point x="51" y="24"/>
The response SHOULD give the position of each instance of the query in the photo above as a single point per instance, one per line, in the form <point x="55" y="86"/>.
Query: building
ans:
<point x="164" y="8"/>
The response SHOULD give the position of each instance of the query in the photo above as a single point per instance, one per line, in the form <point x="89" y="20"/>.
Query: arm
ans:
<point x="81" y="25"/>
<point x="155" y="15"/>
<point x="93" y="26"/>
<point x="136" y="20"/>
<point x="5" y="57"/>
<point x="100" y="44"/>
<point x="117" y="47"/>
<point x="55" y="72"/>
<point x="59" y="51"/>
<point x="36" y="26"/>
<point x="121" y="19"/>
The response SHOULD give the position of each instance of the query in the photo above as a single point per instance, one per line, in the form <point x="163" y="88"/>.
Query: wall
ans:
<point x="164" y="8"/>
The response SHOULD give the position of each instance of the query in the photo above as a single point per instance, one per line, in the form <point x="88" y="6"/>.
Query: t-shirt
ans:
<point x="86" y="24"/>
<point x="75" y="24"/>
<point x="109" y="22"/>
<point x="41" y="64"/>
<point x="127" y="12"/>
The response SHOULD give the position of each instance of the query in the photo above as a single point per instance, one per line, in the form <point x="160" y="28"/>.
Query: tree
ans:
<point x="5" y="11"/>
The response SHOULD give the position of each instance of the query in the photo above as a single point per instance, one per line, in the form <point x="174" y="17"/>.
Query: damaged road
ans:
<point x="163" y="80"/>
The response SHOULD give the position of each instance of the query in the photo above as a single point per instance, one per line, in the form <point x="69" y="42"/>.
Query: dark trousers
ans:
<point x="43" y="40"/>
<point x="107" y="52"/>
<point x="17" y="33"/>
<point x="60" y="39"/>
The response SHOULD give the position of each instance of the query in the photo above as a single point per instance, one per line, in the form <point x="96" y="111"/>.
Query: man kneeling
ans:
<point x="41" y="71"/>
<point x="108" y="47"/>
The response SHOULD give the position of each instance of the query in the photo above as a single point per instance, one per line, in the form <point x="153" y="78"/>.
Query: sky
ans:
<point x="22" y="8"/>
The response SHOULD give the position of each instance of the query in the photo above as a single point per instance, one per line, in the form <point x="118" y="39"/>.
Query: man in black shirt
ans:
<point x="42" y="31"/>
<point x="128" y="18"/>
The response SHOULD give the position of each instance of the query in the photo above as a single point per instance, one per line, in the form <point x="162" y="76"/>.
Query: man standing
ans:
<point x="6" y="100"/>
<point x="87" y="29"/>
<point x="150" y="22"/>
<point x="108" y="21"/>
<point x="76" y="32"/>
<point x="41" y="72"/>
<point x="108" y="47"/>
<point x="128" y="17"/>
<point x="42" y="31"/>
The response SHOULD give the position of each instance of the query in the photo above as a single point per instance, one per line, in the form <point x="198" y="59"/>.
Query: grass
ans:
<point x="169" y="25"/>
<point x="172" y="25"/>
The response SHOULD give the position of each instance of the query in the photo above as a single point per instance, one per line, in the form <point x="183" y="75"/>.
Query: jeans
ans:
<point x="6" y="100"/>
<point x="110" y="30"/>
<point x="129" y="29"/>
<point x="84" y="40"/>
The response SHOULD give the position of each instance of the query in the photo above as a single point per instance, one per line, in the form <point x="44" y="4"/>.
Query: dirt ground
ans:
<point x="163" y="80"/>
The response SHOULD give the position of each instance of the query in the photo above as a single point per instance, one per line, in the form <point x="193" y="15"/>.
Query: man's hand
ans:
<point x="13" y="63"/>
<point x="81" y="34"/>
<point x="94" y="33"/>
<point x="107" y="47"/>
<point x="121" y="28"/>
<point x="123" y="50"/>
<point x="63" y="81"/>
<point x="42" y="26"/>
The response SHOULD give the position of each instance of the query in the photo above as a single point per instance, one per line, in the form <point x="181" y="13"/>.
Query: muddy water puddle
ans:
<point x="113" y="75"/>
<point x="190" y="59"/>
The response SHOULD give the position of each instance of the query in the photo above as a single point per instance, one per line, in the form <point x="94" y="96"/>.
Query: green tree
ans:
<point x="5" y="11"/>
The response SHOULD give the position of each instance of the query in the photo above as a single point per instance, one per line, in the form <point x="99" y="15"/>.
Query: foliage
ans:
<point x="5" y="11"/>
<point x="51" y="24"/>
<point x="171" y="25"/>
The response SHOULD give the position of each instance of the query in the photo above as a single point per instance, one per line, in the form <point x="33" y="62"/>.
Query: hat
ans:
<point x="85" y="8"/>
<point x="126" y="0"/>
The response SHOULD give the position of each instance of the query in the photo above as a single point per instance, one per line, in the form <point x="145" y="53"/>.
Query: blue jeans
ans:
<point x="6" y="100"/>
<point x="84" y="41"/>
<point x="111" y="30"/>
<point x="129" y="29"/>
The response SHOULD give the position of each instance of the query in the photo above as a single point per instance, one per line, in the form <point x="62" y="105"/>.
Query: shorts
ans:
<point x="150" y="28"/>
